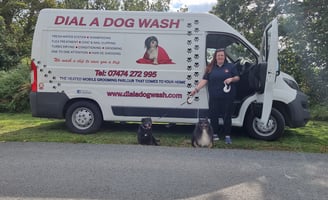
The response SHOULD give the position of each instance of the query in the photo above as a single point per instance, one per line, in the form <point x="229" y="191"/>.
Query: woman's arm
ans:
<point x="231" y="80"/>
<point x="200" y="85"/>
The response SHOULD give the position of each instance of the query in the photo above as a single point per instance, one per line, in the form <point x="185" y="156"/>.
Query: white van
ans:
<point x="92" y="66"/>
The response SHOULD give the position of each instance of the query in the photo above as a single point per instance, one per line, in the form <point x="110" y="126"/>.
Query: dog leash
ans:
<point x="189" y="100"/>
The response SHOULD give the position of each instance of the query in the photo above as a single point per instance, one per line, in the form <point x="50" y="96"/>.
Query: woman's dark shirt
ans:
<point x="216" y="80"/>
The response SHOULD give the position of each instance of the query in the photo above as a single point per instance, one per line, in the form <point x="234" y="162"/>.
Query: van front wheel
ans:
<point x="83" y="117"/>
<point x="272" y="131"/>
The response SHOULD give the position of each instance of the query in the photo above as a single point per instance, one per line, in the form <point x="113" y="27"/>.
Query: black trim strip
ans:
<point x="158" y="112"/>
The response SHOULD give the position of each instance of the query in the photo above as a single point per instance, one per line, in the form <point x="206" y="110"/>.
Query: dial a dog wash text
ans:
<point x="117" y="22"/>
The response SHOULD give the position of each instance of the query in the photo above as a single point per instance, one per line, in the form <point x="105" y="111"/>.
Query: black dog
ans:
<point x="203" y="134"/>
<point x="145" y="133"/>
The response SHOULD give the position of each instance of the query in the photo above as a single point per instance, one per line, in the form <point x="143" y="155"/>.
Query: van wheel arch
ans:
<point x="83" y="116"/>
<point x="273" y="131"/>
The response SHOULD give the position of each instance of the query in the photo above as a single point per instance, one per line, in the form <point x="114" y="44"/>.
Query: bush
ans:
<point x="319" y="112"/>
<point x="15" y="88"/>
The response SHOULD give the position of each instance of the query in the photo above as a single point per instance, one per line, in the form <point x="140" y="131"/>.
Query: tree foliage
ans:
<point x="17" y="21"/>
<point x="9" y="54"/>
<point x="310" y="42"/>
<point x="74" y="4"/>
<point x="142" y="5"/>
<point x="250" y="17"/>
<point x="135" y="5"/>
<point x="106" y="5"/>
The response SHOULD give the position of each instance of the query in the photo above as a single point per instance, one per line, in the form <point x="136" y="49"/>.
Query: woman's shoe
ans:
<point x="228" y="140"/>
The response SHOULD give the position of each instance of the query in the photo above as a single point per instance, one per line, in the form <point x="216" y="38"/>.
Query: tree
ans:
<point x="8" y="55"/>
<point x="74" y="4"/>
<point x="106" y="4"/>
<point x="143" y="5"/>
<point x="17" y="21"/>
<point x="250" y="17"/>
<point x="306" y="28"/>
<point x="160" y="5"/>
<point x="316" y="27"/>
<point x="9" y="51"/>
<point x="135" y="5"/>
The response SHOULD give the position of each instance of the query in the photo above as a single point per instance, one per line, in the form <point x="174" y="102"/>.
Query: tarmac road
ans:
<point x="47" y="171"/>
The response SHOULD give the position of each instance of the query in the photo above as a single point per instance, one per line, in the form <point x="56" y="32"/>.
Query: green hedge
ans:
<point x="319" y="112"/>
<point x="14" y="89"/>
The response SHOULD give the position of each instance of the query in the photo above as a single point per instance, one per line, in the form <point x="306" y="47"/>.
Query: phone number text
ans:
<point x="126" y="73"/>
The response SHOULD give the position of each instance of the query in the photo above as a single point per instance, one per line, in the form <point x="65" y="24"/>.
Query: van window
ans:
<point x="235" y="49"/>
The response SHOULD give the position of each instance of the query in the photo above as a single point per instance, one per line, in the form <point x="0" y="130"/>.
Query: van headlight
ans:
<point x="291" y="84"/>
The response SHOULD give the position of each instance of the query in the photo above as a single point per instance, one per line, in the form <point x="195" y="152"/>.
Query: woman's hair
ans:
<point x="213" y="62"/>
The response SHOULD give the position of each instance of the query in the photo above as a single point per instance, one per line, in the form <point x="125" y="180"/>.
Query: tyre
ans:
<point x="83" y="117"/>
<point x="272" y="131"/>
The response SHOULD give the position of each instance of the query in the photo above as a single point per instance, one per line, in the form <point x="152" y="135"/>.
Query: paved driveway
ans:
<point x="42" y="171"/>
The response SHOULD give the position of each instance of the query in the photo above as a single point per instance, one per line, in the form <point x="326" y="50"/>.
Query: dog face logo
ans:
<point x="151" y="42"/>
<point x="154" y="54"/>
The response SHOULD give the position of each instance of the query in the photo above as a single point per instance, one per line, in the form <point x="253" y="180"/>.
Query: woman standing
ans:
<point x="220" y="77"/>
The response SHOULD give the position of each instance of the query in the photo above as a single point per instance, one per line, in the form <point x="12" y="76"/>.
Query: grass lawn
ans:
<point x="24" y="128"/>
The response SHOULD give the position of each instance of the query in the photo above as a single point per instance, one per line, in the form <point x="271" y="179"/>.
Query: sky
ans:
<point x="193" y="5"/>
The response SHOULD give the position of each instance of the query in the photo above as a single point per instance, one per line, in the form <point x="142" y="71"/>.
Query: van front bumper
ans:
<point x="299" y="111"/>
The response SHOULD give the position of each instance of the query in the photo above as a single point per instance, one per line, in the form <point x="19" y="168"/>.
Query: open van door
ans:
<point x="271" y="125"/>
<point x="269" y="55"/>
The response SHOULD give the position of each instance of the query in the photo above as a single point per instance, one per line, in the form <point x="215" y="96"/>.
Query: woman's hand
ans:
<point x="192" y="93"/>
<point x="228" y="81"/>
<point x="200" y="85"/>
<point x="232" y="79"/>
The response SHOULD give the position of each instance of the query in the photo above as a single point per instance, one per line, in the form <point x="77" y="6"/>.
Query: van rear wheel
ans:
<point x="83" y="117"/>
<point x="272" y="131"/>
